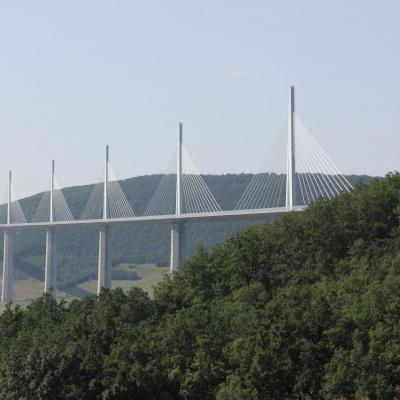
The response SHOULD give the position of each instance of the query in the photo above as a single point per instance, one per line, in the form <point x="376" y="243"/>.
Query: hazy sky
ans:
<point x="76" y="75"/>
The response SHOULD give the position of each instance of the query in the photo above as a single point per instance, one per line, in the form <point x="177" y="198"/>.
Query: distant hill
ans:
<point x="77" y="248"/>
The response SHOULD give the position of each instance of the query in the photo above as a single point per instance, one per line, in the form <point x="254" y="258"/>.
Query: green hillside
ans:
<point x="307" y="307"/>
<point x="139" y="244"/>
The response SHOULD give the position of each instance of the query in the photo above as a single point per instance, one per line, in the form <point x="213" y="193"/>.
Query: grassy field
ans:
<point x="150" y="275"/>
<point x="25" y="290"/>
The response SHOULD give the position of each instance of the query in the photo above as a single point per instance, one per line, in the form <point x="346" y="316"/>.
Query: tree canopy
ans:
<point x="307" y="307"/>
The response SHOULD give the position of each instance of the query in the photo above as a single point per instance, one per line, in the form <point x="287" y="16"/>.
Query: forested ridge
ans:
<point x="139" y="243"/>
<point x="307" y="307"/>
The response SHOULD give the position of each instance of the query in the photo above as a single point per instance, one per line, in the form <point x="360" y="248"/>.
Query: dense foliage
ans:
<point x="77" y="248"/>
<point x="307" y="307"/>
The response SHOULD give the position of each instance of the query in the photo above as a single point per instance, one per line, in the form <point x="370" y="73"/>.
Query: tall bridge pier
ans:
<point x="176" y="227"/>
<point x="175" y="247"/>
<point x="7" y="294"/>
<point x="104" y="261"/>
<point x="8" y="268"/>
<point x="50" y="273"/>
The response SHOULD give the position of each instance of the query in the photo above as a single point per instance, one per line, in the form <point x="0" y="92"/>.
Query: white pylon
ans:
<point x="291" y="161"/>
<point x="105" y="205"/>
<point x="178" y="208"/>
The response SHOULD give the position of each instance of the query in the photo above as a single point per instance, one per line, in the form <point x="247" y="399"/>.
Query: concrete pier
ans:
<point x="7" y="294"/>
<point x="104" y="267"/>
<point x="50" y="278"/>
<point x="50" y="272"/>
<point x="175" y="247"/>
<point x="176" y="227"/>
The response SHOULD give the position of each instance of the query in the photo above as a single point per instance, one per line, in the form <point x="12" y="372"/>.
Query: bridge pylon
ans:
<point x="291" y="154"/>
<point x="50" y="277"/>
<point x="104" y="261"/>
<point x="176" y="227"/>
<point x="7" y="294"/>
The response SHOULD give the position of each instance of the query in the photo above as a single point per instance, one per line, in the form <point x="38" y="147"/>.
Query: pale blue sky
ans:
<point x="76" y="75"/>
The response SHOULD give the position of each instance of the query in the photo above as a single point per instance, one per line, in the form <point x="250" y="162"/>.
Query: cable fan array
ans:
<point x="17" y="215"/>
<point x="163" y="201"/>
<point x="117" y="203"/>
<point x="316" y="176"/>
<point x="196" y="197"/>
<point x="61" y="209"/>
<point x="267" y="188"/>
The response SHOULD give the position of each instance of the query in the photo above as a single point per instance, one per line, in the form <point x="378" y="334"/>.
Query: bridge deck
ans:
<point x="262" y="213"/>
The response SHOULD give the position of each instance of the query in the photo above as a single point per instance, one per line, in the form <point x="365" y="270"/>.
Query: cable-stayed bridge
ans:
<point x="295" y="173"/>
